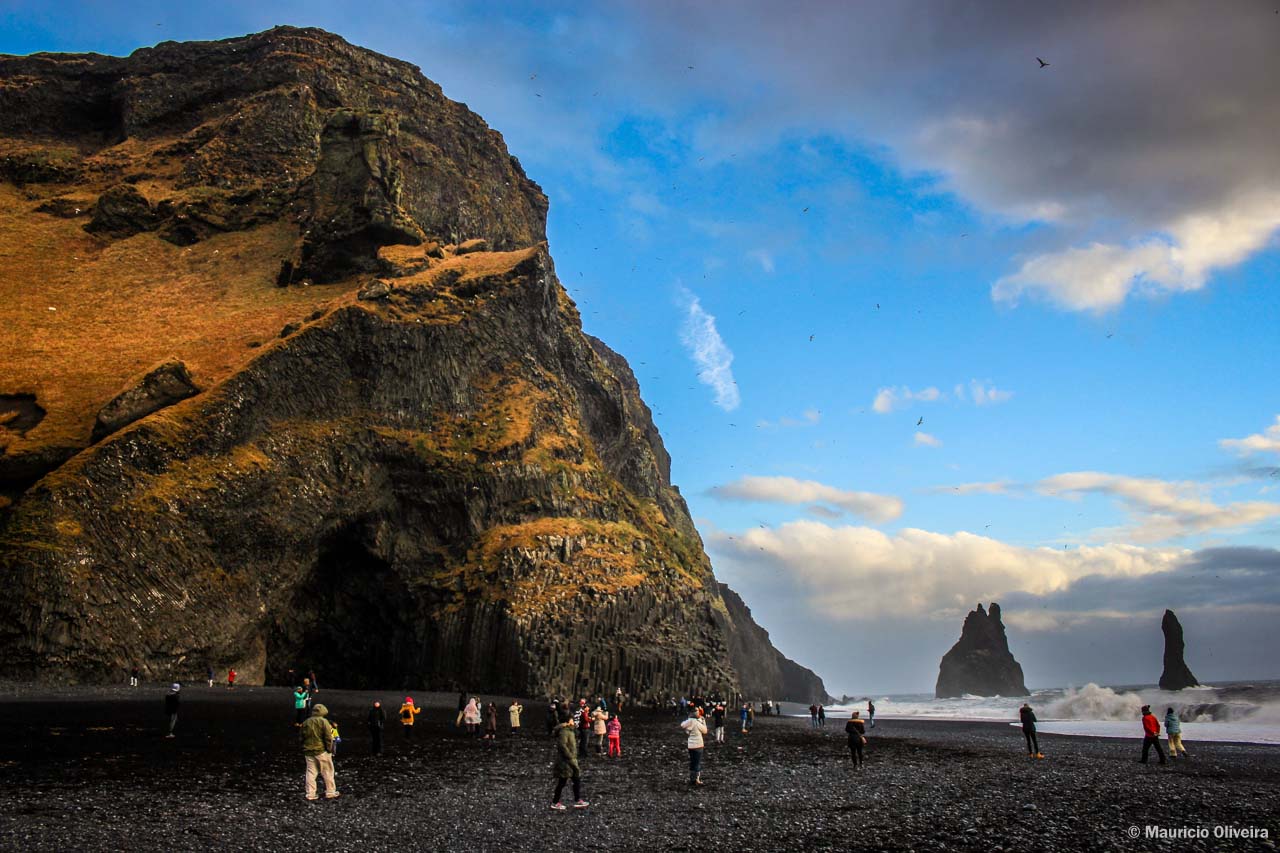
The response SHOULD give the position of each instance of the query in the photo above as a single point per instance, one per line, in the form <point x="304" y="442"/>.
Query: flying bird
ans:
<point x="811" y="339"/>
<point x="920" y="421"/>
<point x="1043" y="64"/>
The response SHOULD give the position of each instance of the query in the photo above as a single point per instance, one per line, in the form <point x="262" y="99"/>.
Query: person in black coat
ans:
<point x="1028" y="718"/>
<point x="377" y="722"/>
<point x="857" y="731"/>
<point x="171" y="706"/>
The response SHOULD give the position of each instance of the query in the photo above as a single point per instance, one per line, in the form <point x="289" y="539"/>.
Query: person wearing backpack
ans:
<point x="318" y="736"/>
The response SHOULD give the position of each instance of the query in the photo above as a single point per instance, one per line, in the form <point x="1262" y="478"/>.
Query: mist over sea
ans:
<point x="1236" y="711"/>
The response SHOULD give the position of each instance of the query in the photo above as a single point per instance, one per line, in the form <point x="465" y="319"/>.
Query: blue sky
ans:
<point x="1068" y="272"/>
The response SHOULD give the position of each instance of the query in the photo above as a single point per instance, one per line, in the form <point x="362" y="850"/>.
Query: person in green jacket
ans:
<point x="566" y="763"/>
<point x="317" y="744"/>
<point x="301" y="699"/>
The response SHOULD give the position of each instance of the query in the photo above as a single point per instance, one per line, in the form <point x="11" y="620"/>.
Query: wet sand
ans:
<point x="88" y="768"/>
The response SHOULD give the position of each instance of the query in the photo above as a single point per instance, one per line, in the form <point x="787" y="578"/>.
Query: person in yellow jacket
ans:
<point x="408" y="713"/>
<point x="514" y="712"/>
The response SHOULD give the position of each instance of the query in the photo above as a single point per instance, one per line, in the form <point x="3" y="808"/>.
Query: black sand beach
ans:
<point x="88" y="769"/>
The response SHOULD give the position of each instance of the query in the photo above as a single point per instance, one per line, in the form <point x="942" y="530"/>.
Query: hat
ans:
<point x="175" y="687"/>
<point x="408" y="700"/>
<point x="320" y="711"/>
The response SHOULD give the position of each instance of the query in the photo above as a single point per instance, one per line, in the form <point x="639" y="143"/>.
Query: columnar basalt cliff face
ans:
<point x="1176" y="675"/>
<point x="226" y="442"/>
<point x="980" y="662"/>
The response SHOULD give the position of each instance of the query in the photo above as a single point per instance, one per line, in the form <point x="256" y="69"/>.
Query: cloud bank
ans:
<point x="788" y="490"/>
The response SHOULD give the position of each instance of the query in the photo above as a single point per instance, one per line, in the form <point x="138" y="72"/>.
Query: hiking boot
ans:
<point x="1039" y="755"/>
<point x="332" y="796"/>
<point x="558" y="807"/>
<point x="313" y="799"/>
<point x="581" y="804"/>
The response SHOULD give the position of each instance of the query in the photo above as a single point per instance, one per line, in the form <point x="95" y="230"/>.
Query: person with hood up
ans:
<point x="1150" y="735"/>
<point x="317" y="745"/>
<point x="600" y="727"/>
<point x="1028" y="718"/>
<point x="566" y="765"/>
<point x="471" y="716"/>
<point x="377" y="722"/>
<point x="408" y="713"/>
<point x="857" y="732"/>
<point x="1173" y="728"/>
<point x="694" y="728"/>
<point x="490" y="721"/>
<point x="171" y="706"/>
<point x="614" y="728"/>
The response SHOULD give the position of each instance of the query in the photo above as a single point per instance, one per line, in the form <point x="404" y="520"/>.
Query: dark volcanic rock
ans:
<point x="161" y="386"/>
<point x="1176" y="675"/>
<point x="763" y="671"/>
<point x="980" y="663"/>
<point x="446" y="484"/>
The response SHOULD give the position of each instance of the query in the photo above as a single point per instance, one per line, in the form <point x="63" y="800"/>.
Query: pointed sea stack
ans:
<point x="980" y="664"/>
<point x="1177" y="675"/>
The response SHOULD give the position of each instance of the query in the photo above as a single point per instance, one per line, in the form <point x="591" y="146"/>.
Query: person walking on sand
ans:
<point x="822" y="715"/>
<point x="171" y="707"/>
<point x="471" y="716"/>
<point x="600" y="728"/>
<point x="717" y="721"/>
<point x="377" y="722"/>
<point x="751" y="718"/>
<point x="231" y="679"/>
<point x="514" y="713"/>
<point x="857" y="732"/>
<point x="408" y="713"/>
<point x="317" y="745"/>
<point x="813" y="716"/>
<point x="1173" y="728"/>
<point x="491" y="722"/>
<point x="566" y="766"/>
<point x="1150" y="735"/>
<point x="553" y="716"/>
<point x="694" y="728"/>
<point x="614" y="728"/>
<point x="1028" y="718"/>
<point x="871" y="714"/>
<point x="209" y="674"/>
<point x="300" y="703"/>
<point x="133" y="677"/>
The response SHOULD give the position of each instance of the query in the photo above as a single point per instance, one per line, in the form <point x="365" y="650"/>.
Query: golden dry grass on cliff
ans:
<point x="80" y="315"/>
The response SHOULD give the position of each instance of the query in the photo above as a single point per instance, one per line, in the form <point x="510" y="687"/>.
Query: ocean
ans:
<point x="1241" y="712"/>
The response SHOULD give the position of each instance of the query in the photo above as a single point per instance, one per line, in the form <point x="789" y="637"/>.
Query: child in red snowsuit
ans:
<point x="614" y="729"/>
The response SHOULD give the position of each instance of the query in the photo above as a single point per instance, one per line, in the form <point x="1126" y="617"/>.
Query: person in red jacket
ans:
<point x="1150" y="735"/>
<point x="231" y="678"/>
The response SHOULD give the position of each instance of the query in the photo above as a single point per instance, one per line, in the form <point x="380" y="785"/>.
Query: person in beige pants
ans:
<point x="317" y="746"/>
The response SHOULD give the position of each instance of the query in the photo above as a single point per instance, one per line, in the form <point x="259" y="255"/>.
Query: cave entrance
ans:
<point x="352" y="622"/>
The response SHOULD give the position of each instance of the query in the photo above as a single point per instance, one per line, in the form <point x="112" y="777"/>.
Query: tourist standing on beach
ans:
<point x="717" y="721"/>
<point x="582" y="719"/>
<point x="317" y="746"/>
<point x="133" y="677"/>
<point x="742" y="716"/>
<point x="614" y="728"/>
<point x="462" y="707"/>
<point x="813" y="716"/>
<point x="209" y="674"/>
<point x="300" y="702"/>
<point x="1173" y="728"/>
<point x="1028" y="718"/>
<point x="171" y="707"/>
<point x="471" y="716"/>
<point x="377" y="722"/>
<point x="315" y="682"/>
<point x="553" y="716"/>
<point x="566" y="761"/>
<point x="695" y="728"/>
<point x="514" y="713"/>
<point x="619" y="699"/>
<point x="408" y="713"/>
<point x="231" y="678"/>
<point x="490" y="721"/>
<point x="309" y="686"/>
<point x="1150" y="735"/>
<point x="600" y="727"/>
<point x="857" y="732"/>
<point x="822" y="715"/>
<point x="871" y="713"/>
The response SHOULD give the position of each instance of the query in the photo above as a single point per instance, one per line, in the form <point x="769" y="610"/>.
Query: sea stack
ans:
<point x="1177" y="675"/>
<point x="980" y="663"/>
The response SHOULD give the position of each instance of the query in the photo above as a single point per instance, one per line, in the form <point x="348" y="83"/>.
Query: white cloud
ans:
<point x="986" y="394"/>
<point x="854" y="572"/>
<point x="1161" y="510"/>
<point x="888" y="399"/>
<point x="763" y="258"/>
<point x="709" y="353"/>
<point x="788" y="490"/>
<point x="1267" y="441"/>
<point x="923" y="439"/>
<point x="992" y="487"/>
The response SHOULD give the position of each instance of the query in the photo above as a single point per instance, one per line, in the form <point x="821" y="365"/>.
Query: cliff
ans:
<point x="293" y="384"/>
<point x="763" y="671"/>
<point x="1176" y="675"/>
<point x="980" y="662"/>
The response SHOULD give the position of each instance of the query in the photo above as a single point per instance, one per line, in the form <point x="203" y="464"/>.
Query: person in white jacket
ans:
<point x="695" y="727"/>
